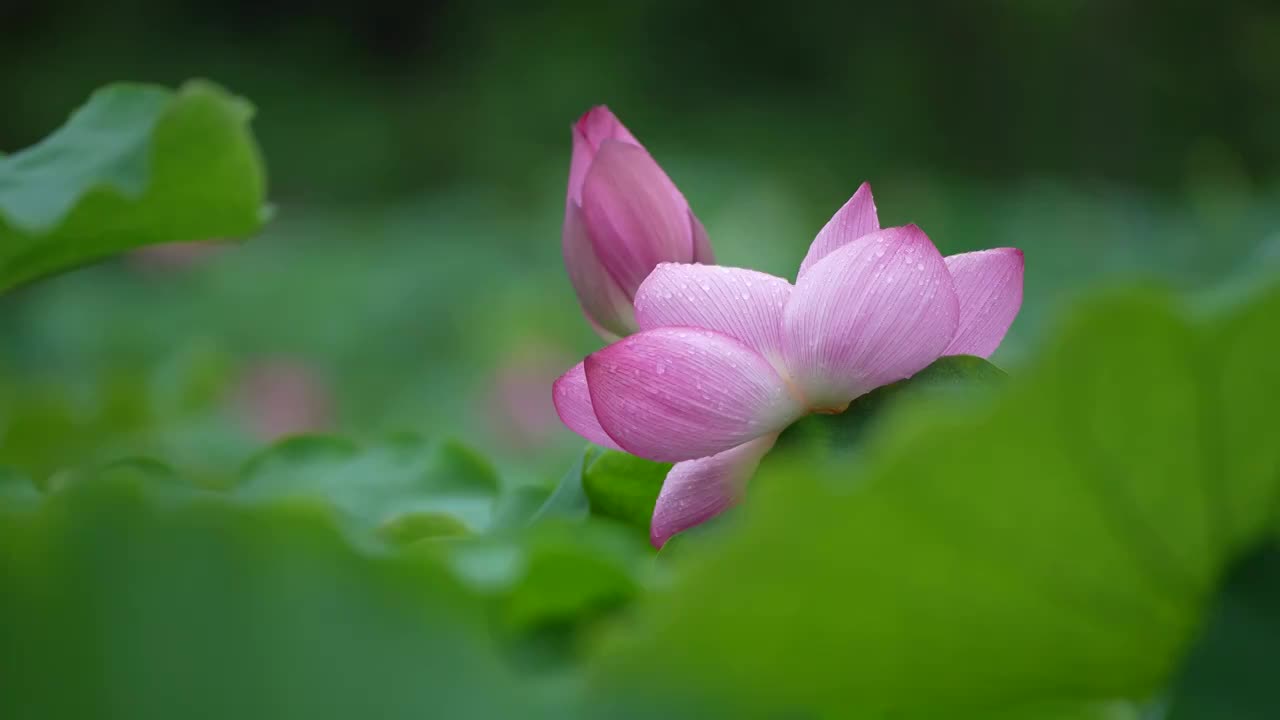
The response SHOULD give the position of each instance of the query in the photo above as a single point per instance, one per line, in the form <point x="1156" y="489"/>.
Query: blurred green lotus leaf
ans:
<point x="17" y="492"/>
<point x="122" y="606"/>
<point x="554" y="578"/>
<point x="624" y="487"/>
<point x="404" y="490"/>
<point x="136" y="165"/>
<point x="569" y="498"/>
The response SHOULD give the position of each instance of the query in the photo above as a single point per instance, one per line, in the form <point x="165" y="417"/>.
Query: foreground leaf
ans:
<point x="17" y="492"/>
<point x="404" y="490"/>
<point x="115" y="606"/>
<point x="569" y="498"/>
<point x="624" y="487"/>
<point x="137" y="165"/>
<point x="1231" y="671"/>
<point x="555" y="575"/>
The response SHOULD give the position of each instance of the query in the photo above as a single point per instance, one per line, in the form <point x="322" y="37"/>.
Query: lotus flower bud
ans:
<point x="623" y="216"/>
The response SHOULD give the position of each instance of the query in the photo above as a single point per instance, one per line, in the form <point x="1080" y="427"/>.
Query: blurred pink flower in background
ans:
<point x="623" y="216"/>
<point x="175" y="256"/>
<point x="727" y="358"/>
<point x="521" y="414"/>
<point x="277" y="397"/>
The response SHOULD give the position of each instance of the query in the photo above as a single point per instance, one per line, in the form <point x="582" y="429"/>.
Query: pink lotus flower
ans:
<point x="623" y="216"/>
<point x="176" y="256"/>
<point x="728" y="358"/>
<point x="278" y="397"/>
<point x="519" y="412"/>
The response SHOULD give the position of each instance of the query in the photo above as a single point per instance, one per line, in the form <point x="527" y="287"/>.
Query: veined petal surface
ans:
<point x="856" y="219"/>
<point x="697" y="490"/>
<point x="675" y="394"/>
<point x="989" y="286"/>
<point x="873" y="312"/>
<point x="744" y="304"/>
<point x="573" y="405"/>
<point x="634" y="214"/>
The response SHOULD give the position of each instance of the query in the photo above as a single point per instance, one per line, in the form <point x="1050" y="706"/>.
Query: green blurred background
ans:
<point x="412" y="279"/>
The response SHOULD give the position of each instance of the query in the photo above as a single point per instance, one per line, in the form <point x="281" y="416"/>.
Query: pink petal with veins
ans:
<point x="856" y="219"/>
<point x="674" y="394"/>
<point x="873" y="312"/>
<point x="594" y="127"/>
<point x="635" y="216"/>
<point x="697" y="490"/>
<point x="744" y="304"/>
<point x="573" y="405"/>
<point x="989" y="285"/>
<point x="605" y="304"/>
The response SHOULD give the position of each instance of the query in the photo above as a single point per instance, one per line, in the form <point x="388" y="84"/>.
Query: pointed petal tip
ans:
<point x="599" y="124"/>
<point x="898" y="311"/>
<point x="864" y="193"/>
<point x="697" y="490"/>
<point x="572" y="400"/>
<point x="989" y="287"/>
<point x="593" y="113"/>
<point x="855" y="219"/>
